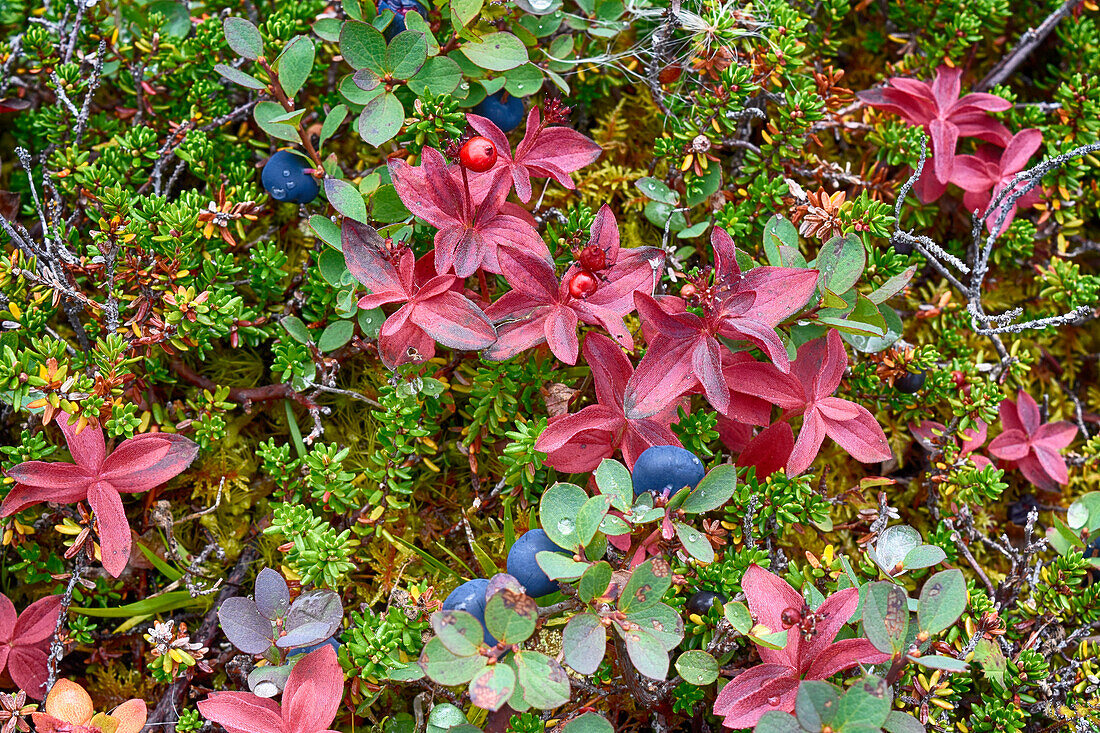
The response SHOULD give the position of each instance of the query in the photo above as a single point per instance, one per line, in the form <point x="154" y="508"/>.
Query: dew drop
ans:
<point x="691" y="538"/>
<point x="519" y="86"/>
<point x="289" y="185"/>
<point x="566" y="525"/>
<point x="278" y="193"/>
<point x="286" y="173"/>
<point x="773" y="700"/>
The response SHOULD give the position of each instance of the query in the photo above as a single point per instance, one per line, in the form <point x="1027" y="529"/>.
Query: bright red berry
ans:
<point x="583" y="284"/>
<point x="688" y="290"/>
<point x="790" y="617"/>
<point x="592" y="258"/>
<point x="478" y="154"/>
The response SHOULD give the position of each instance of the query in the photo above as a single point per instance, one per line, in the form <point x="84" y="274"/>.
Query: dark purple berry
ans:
<point x="470" y="597"/>
<point x="911" y="382"/>
<point x="702" y="601"/>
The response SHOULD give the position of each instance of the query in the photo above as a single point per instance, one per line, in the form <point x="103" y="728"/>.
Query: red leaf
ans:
<point x="243" y="712"/>
<point x="114" y="530"/>
<point x="313" y="692"/>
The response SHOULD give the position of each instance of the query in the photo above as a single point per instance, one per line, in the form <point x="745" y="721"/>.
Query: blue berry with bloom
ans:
<point x="400" y="9"/>
<point x="505" y="111"/>
<point x="470" y="597"/>
<point x="285" y="179"/>
<point x="524" y="567"/>
<point x="665" y="469"/>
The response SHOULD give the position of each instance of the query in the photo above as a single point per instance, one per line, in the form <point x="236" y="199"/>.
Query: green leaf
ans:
<point x="893" y="286"/>
<point x="239" y="77"/>
<point x="545" y="684"/>
<point x="590" y="516"/>
<point x="159" y="563"/>
<point x="874" y="344"/>
<point x="776" y="721"/>
<point x="446" y="667"/>
<point x="328" y="29"/>
<point x="492" y="688"/>
<point x="295" y="64"/>
<point x="333" y="269"/>
<point x="695" y="542"/>
<point x="778" y="232"/>
<point x="459" y="631"/>
<point x="416" y="22"/>
<point x="613" y="479"/>
<point x="558" y="566"/>
<point x="657" y="191"/>
<point x="523" y="81"/>
<point x="381" y="119"/>
<point x="867" y="702"/>
<point x="816" y="704"/>
<point x="264" y="114"/>
<point x="346" y="199"/>
<point x="697" y="667"/>
<point x="583" y="643"/>
<point x="243" y="37"/>
<point x="892" y="545"/>
<point x="386" y="205"/>
<point x="661" y="214"/>
<point x="371" y="321"/>
<point x="646" y="586"/>
<point x="1084" y="513"/>
<point x="335" y="335"/>
<point x="994" y="665"/>
<point x="463" y="11"/>
<point x="440" y="75"/>
<point x="886" y="616"/>
<point x="942" y="601"/>
<point x="511" y="616"/>
<point x="663" y="622"/>
<point x="594" y="582"/>
<point x="924" y="556"/>
<point x="738" y="615"/>
<point x="558" y="511"/>
<point x="936" y="661"/>
<point x="498" y="51"/>
<point x="713" y="491"/>
<point x="405" y="55"/>
<point x="899" y="722"/>
<point x="333" y="120"/>
<point x="164" y="603"/>
<point x="841" y="262"/>
<point x="588" y="723"/>
<point x="296" y="328"/>
<point x="646" y="653"/>
<point x="363" y="46"/>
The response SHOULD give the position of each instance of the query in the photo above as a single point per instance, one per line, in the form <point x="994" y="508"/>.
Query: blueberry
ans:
<point x="702" y="601"/>
<point x="523" y="566"/>
<point x="911" y="382"/>
<point x="285" y="179"/>
<point x="505" y="113"/>
<point x="400" y="8"/>
<point x="331" y="641"/>
<point x="470" y="597"/>
<point x="665" y="469"/>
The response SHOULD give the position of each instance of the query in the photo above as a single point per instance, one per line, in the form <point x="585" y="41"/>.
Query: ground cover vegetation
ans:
<point x="549" y="365"/>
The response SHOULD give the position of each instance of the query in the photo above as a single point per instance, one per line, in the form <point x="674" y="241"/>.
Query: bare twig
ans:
<point x="1029" y="41"/>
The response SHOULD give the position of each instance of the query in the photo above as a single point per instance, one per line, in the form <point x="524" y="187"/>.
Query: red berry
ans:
<point x="688" y="290"/>
<point x="478" y="154"/>
<point x="593" y="258"/>
<point x="583" y="284"/>
<point x="790" y="617"/>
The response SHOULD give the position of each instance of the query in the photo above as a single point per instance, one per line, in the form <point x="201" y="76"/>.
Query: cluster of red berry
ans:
<point x="478" y="154"/>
